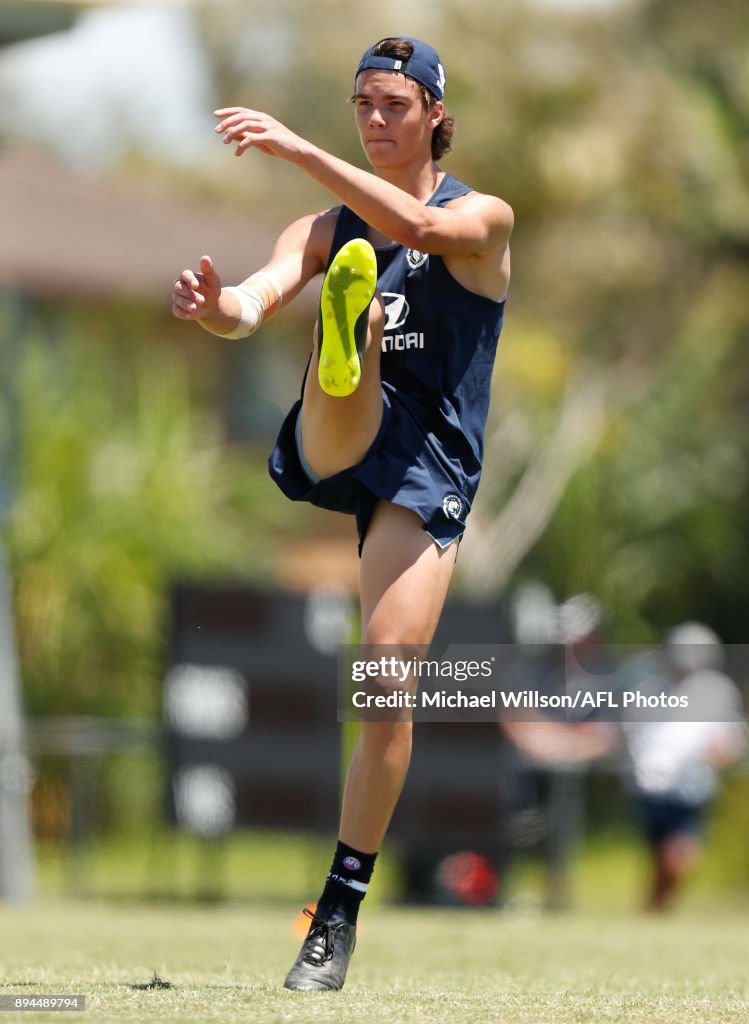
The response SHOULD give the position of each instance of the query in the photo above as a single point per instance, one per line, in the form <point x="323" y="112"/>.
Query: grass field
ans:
<point x="463" y="967"/>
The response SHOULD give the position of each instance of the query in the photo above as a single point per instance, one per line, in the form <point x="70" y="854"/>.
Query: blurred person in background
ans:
<point x="391" y="420"/>
<point x="675" y="763"/>
<point x="575" y="657"/>
<point x="549" y="753"/>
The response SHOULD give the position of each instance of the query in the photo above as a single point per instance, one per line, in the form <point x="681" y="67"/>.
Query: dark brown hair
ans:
<point x="401" y="49"/>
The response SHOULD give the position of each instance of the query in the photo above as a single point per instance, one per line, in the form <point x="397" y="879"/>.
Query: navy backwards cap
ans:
<point x="423" y="65"/>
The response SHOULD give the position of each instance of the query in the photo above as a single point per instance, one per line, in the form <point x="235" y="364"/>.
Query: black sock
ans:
<point x="347" y="884"/>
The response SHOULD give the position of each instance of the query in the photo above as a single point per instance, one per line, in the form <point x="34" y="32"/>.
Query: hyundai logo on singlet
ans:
<point x="396" y="310"/>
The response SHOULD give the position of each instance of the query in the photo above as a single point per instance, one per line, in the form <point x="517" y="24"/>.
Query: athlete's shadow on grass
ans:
<point x="157" y="983"/>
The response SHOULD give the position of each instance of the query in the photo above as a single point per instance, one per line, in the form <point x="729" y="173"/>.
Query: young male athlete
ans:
<point x="391" y="419"/>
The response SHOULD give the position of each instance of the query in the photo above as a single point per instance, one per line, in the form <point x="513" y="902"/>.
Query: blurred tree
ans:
<point x="619" y="137"/>
<point x="619" y="431"/>
<point x="125" y="485"/>
<point x="616" y="452"/>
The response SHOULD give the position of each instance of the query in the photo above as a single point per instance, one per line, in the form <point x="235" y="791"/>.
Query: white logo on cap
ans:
<point x="441" y="78"/>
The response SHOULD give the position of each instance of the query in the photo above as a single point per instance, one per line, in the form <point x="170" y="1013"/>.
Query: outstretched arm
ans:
<point x="298" y="255"/>
<point x="475" y="226"/>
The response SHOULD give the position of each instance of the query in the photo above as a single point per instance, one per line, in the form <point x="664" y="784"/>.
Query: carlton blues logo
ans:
<point x="416" y="259"/>
<point x="452" y="506"/>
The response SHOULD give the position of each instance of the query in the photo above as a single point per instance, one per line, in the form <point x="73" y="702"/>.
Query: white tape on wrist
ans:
<point x="258" y="296"/>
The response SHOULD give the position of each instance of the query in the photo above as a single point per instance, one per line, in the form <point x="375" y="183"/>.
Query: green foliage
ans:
<point x="125" y="485"/>
<point x="619" y="138"/>
<point x="661" y="506"/>
<point x="619" y="135"/>
<point x="727" y="862"/>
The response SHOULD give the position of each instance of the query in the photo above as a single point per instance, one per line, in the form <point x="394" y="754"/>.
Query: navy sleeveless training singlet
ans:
<point x="438" y="349"/>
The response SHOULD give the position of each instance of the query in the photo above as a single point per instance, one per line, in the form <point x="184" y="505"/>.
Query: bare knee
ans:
<point x="376" y="317"/>
<point x="386" y="738"/>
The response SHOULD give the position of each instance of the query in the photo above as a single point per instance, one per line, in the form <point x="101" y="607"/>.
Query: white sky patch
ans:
<point x="122" y="78"/>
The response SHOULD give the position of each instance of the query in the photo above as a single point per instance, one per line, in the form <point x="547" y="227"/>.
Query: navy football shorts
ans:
<point x="388" y="472"/>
